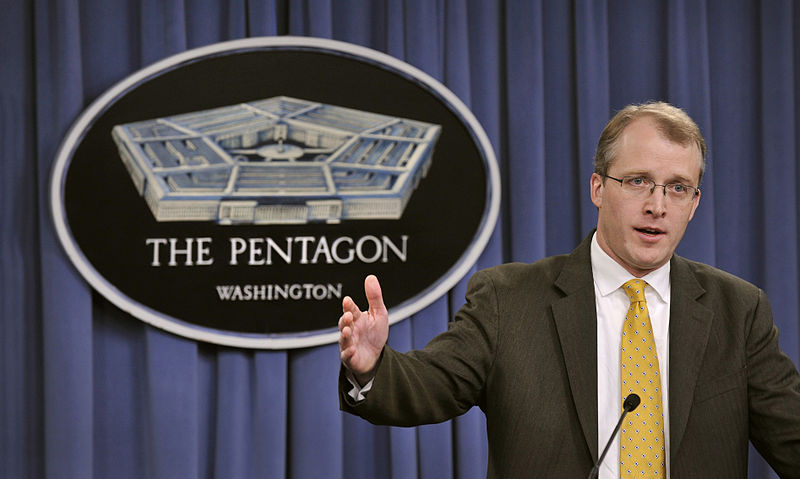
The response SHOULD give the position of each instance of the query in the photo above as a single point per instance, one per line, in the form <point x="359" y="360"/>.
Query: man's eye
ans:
<point x="637" y="181"/>
<point x="678" y="188"/>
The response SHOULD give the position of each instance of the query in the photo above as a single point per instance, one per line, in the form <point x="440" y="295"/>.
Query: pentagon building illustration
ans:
<point x="276" y="161"/>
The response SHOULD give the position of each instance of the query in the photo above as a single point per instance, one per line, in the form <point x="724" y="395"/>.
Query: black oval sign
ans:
<point x="235" y="193"/>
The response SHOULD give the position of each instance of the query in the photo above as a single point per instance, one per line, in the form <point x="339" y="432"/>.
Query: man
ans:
<point x="550" y="350"/>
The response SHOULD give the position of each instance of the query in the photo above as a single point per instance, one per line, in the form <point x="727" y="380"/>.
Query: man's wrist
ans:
<point x="363" y="379"/>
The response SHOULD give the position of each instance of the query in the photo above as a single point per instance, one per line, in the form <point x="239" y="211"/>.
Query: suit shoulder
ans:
<point x="709" y="274"/>
<point x="528" y="274"/>
<point x="715" y="280"/>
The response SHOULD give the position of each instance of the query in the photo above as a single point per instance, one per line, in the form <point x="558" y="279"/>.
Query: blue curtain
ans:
<point x="90" y="392"/>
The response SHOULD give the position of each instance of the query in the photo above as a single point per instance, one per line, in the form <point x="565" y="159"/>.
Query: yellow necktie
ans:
<point x="641" y="449"/>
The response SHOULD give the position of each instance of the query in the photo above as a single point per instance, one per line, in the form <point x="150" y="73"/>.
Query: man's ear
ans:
<point x="596" y="189"/>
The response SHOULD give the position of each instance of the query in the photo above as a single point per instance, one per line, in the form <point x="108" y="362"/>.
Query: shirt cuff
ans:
<point x="358" y="393"/>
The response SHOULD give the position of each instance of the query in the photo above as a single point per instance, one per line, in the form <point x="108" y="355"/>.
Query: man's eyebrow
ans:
<point x="638" y="173"/>
<point x="674" y="179"/>
<point x="681" y="179"/>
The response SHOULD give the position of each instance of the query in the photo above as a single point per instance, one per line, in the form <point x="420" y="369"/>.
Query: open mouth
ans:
<point x="649" y="231"/>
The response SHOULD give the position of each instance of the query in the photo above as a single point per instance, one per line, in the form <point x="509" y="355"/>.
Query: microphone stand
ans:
<point x="631" y="402"/>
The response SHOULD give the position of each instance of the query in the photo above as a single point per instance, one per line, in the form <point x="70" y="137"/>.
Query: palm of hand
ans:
<point x="370" y="332"/>
<point x="363" y="333"/>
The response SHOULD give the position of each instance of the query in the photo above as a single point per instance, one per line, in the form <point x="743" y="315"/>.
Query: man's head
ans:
<point x="671" y="121"/>
<point x="639" y="225"/>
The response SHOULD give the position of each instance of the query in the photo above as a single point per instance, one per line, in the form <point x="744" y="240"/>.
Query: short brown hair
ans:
<point x="671" y="121"/>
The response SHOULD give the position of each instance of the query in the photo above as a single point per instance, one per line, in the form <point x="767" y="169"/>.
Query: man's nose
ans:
<point x="657" y="201"/>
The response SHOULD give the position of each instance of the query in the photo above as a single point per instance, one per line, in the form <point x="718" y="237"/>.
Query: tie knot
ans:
<point x="635" y="289"/>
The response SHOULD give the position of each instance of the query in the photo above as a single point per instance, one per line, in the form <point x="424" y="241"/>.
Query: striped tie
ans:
<point x="641" y="450"/>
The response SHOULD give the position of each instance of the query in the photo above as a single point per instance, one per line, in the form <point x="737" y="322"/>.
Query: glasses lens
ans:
<point x="637" y="184"/>
<point x="679" y="193"/>
<point x="643" y="186"/>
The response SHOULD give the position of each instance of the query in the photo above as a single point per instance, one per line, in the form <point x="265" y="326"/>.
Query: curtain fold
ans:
<point x="118" y="412"/>
<point x="689" y="86"/>
<point x="526" y="139"/>
<point x="779" y="153"/>
<point x="592" y="92"/>
<point x="66" y="300"/>
<point x="315" y="424"/>
<point x="735" y="158"/>
<point x="91" y="392"/>
<point x="564" y="173"/>
<point x="21" y="403"/>
<point x="171" y="405"/>
<point x="269" y="424"/>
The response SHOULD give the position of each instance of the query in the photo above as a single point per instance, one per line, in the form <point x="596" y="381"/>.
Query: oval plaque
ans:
<point x="236" y="193"/>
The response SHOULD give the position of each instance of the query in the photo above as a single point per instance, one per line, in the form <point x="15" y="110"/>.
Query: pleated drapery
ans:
<point x="90" y="392"/>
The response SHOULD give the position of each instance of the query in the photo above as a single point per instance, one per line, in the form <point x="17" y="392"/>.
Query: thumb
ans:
<point x="372" y="288"/>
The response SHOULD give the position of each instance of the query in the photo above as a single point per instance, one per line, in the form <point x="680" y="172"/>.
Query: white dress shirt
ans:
<point x="612" y="304"/>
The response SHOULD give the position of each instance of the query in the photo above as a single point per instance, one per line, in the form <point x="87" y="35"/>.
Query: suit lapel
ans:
<point x="576" y="322"/>
<point x="689" y="326"/>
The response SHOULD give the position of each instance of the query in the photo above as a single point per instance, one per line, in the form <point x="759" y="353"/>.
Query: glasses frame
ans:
<point x="621" y="182"/>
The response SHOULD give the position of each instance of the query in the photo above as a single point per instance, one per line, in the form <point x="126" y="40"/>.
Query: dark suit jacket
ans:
<point x="524" y="349"/>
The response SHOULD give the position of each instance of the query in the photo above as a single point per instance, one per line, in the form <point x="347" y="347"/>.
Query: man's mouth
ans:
<point x="649" y="231"/>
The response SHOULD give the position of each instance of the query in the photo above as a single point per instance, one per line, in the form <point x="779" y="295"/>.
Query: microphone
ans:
<point x="631" y="403"/>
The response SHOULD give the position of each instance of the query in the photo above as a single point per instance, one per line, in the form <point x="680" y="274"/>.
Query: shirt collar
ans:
<point x="610" y="275"/>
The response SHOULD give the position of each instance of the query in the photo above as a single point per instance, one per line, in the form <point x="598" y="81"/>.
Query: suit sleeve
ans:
<point x="441" y="381"/>
<point x="774" y="395"/>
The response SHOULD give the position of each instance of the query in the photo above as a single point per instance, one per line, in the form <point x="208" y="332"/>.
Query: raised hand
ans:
<point x="363" y="333"/>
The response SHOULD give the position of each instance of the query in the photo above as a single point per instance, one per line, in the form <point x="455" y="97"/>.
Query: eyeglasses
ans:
<point x="642" y="186"/>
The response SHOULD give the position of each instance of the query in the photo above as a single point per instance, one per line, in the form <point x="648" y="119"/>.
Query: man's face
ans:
<point x="641" y="233"/>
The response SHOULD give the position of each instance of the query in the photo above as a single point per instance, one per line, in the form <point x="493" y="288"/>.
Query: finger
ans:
<point x="346" y="354"/>
<point x="372" y="288"/>
<point x="349" y="306"/>
<point x="346" y="304"/>
<point x="345" y="320"/>
<point x="344" y="337"/>
<point x="345" y="331"/>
